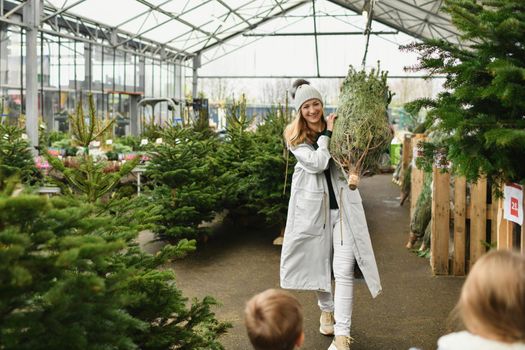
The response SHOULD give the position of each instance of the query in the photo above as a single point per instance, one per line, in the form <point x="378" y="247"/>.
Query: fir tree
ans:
<point x="481" y="112"/>
<point x="273" y="167"/>
<point x="84" y="133"/>
<point x="16" y="158"/>
<point x="73" y="277"/>
<point x="235" y="156"/>
<point x="184" y="171"/>
<point x="88" y="177"/>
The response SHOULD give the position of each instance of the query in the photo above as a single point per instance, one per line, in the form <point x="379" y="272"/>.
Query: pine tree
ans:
<point x="481" y="112"/>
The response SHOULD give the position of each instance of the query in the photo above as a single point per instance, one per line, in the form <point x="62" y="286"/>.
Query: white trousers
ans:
<point x="343" y="262"/>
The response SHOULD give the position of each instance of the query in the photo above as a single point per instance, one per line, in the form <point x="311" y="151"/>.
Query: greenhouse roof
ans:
<point x="183" y="29"/>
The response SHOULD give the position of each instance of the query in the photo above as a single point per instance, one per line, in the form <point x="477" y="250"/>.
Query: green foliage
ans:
<point x="73" y="277"/>
<point x="15" y="155"/>
<point x="273" y="167"/>
<point x="423" y="208"/>
<point x="88" y="177"/>
<point x="83" y="133"/>
<point x="122" y="148"/>
<point x="481" y="112"/>
<point x="361" y="133"/>
<point x="235" y="157"/>
<point x="131" y="141"/>
<point x="151" y="131"/>
<point x="184" y="170"/>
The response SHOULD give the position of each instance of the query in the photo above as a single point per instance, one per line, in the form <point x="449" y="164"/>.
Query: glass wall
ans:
<point x="69" y="69"/>
<point x="11" y="73"/>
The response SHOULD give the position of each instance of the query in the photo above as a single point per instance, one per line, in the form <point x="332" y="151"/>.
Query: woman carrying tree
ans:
<point x="326" y="226"/>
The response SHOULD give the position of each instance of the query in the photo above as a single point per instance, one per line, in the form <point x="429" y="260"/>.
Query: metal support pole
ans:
<point x="134" y="114"/>
<point x="196" y="66"/>
<point x="88" y="66"/>
<point x="179" y="94"/>
<point x="32" y="20"/>
<point x="315" y="38"/>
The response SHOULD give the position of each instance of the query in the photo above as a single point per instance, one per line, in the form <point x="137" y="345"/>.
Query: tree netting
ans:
<point x="361" y="133"/>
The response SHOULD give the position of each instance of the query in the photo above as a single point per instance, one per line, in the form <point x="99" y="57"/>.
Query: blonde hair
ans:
<point x="274" y="320"/>
<point x="492" y="301"/>
<point x="298" y="132"/>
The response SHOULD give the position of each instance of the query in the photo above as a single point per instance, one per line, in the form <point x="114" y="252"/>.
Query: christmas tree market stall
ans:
<point x="470" y="176"/>
<point x="134" y="118"/>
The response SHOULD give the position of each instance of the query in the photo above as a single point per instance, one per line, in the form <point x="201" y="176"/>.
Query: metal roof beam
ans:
<point x="96" y="31"/>
<point x="63" y="9"/>
<point x="233" y="11"/>
<point x="139" y="15"/>
<point x="401" y="28"/>
<point x="176" y="18"/>
<point x="204" y="24"/>
<point x="15" y="9"/>
<point x="255" y="25"/>
<point x="319" y="33"/>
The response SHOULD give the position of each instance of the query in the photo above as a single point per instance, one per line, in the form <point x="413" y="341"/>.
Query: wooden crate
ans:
<point x="482" y="218"/>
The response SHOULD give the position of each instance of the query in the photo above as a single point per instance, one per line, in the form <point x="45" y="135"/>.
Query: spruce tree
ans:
<point x="481" y="112"/>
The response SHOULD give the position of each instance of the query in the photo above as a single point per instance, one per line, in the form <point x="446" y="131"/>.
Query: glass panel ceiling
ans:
<point x="189" y="25"/>
<point x="215" y="27"/>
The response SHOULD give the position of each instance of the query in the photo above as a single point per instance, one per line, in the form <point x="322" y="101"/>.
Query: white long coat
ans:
<point x="306" y="257"/>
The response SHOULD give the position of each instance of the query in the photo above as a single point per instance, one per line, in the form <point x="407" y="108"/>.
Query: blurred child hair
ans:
<point x="492" y="301"/>
<point x="274" y="320"/>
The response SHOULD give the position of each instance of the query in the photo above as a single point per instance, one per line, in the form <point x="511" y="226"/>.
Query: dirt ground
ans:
<point x="412" y="311"/>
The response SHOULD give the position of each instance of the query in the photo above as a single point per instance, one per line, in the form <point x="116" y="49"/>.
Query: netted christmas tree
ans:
<point x="361" y="132"/>
<point x="481" y="111"/>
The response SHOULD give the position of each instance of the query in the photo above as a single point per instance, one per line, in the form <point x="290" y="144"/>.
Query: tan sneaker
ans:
<point x="326" y="323"/>
<point x="341" y="342"/>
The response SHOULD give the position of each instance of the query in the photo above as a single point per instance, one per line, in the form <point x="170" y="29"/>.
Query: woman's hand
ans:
<point x="330" y="121"/>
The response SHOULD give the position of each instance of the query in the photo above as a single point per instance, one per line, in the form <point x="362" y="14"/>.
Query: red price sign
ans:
<point x="513" y="203"/>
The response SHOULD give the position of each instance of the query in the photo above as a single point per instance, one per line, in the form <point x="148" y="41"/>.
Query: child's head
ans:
<point x="274" y="320"/>
<point x="492" y="301"/>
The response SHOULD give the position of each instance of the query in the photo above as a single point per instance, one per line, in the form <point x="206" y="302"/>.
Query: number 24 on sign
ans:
<point x="513" y="203"/>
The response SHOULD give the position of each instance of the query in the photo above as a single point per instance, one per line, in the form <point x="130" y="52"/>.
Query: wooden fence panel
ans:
<point x="523" y="238"/>
<point x="416" y="176"/>
<point x="469" y="216"/>
<point x="440" y="222"/>
<point x="460" y="224"/>
<point x="478" y="219"/>
<point x="493" y="220"/>
<point x="407" y="151"/>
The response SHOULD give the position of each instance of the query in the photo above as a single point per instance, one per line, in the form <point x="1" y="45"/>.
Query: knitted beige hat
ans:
<point x="302" y="92"/>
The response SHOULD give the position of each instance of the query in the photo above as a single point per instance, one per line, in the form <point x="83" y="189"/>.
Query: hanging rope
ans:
<point x="368" y="30"/>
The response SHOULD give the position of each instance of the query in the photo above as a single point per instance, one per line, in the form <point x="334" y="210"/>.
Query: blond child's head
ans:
<point x="492" y="301"/>
<point x="274" y="321"/>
